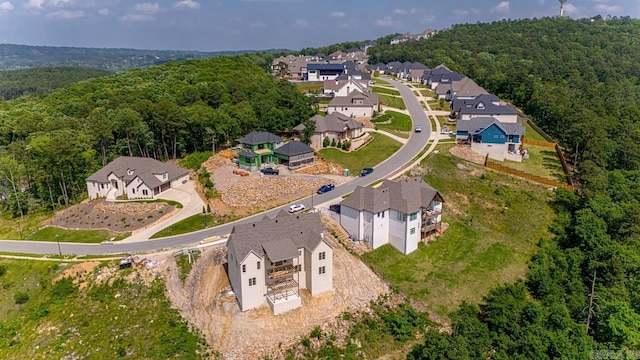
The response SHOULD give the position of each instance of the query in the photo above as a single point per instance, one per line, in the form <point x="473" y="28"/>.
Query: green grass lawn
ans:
<point x="435" y="105"/>
<point x="309" y="87"/>
<point x="119" y="318"/>
<point x="193" y="223"/>
<point x="427" y="93"/>
<point x="381" y="81"/>
<point x="444" y="121"/>
<point x="495" y="223"/>
<point x="379" y="149"/>
<point x="530" y="133"/>
<point x="77" y="236"/>
<point x="382" y="90"/>
<point x="543" y="161"/>
<point x="400" y="123"/>
<point x="10" y="227"/>
<point x="392" y="101"/>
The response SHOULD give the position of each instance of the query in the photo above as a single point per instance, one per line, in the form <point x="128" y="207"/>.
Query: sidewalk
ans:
<point x="394" y="137"/>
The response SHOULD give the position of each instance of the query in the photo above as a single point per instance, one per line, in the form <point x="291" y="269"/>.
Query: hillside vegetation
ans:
<point x="16" y="83"/>
<point x="580" y="81"/>
<point x="50" y="144"/>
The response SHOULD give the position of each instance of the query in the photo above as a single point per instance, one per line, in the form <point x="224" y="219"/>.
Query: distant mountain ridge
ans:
<point x="14" y="56"/>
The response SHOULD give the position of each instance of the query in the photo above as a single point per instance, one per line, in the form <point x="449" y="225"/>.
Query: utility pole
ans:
<point x="58" y="240"/>
<point x="591" y="302"/>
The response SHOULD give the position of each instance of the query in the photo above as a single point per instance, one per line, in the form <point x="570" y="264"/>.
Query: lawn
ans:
<point x="309" y="87"/>
<point x="436" y="105"/>
<point x="382" y="90"/>
<point x="427" y="93"/>
<point x="400" y="123"/>
<point x="117" y="318"/>
<point x="543" y="161"/>
<point x="381" y="81"/>
<point x="11" y="227"/>
<point x="494" y="225"/>
<point x="52" y="233"/>
<point x="392" y="101"/>
<point x="444" y="121"/>
<point x="532" y="134"/>
<point x="375" y="152"/>
<point x="193" y="223"/>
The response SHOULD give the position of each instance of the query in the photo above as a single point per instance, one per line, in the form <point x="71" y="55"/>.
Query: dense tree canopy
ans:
<point x="56" y="141"/>
<point x="16" y="83"/>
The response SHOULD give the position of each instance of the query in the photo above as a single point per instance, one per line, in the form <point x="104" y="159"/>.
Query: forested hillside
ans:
<point x="580" y="81"/>
<point x="51" y="144"/>
<point x="16" y="83"/>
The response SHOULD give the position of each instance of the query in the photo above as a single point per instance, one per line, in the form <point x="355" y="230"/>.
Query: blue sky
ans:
<point x="214" y="25"/>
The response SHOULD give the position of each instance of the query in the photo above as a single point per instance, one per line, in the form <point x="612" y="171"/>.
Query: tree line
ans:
<point x="50" y="144"/>
<point x="580" y="81"/>
<point x="16" y="83"/>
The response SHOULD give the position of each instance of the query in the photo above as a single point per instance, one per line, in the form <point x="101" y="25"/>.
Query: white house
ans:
<point x="270" y="261"/>
<point x="400" y="213"/>
<point x="343" y="85"/>
<point x="359" y="105"/>
<point x="135" y="178"/>
<point x="335" y="127"/>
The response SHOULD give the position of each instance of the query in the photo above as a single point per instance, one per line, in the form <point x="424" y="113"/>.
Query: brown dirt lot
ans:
<point x="116" y="217"/>
<point x="258" y="333"/>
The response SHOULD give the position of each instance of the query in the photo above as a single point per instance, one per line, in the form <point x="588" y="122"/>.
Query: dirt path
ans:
<point x="258" y="333"/>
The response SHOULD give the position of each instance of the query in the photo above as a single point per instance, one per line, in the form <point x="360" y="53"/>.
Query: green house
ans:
<point x="257" y="148"/>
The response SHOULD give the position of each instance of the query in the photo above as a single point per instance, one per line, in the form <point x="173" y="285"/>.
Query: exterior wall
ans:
<point x="352" y="110"/>
<point x="97" y="189"/>
<point x="462" y="135"/>
<point x="121" y="187"/>
<point x="397" y="231"/>
<point x="320" y="283"/>
<point x="412" y="240"/>
<point x="139" y="192"/>
<point x="493" y="135"/>
<point x="234" y="269"/>
<point x="367" y="227"/>
<point x="179" y="181"/>
<point x="162" y="177"/>
<point x="350" y="221"/>
<point x="250" y="297"/>
<point x="380" y="229"/>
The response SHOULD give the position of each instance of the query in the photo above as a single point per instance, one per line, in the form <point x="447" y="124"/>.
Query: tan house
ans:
<point x="135" y="178"/>
<point x="271" y="261"/>
<point x="334" y="126"/>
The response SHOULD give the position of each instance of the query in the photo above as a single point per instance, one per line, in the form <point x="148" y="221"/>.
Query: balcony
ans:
<point x="281" y="271"/>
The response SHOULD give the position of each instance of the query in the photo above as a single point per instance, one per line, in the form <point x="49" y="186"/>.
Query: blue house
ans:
<point x="488" y="136"/>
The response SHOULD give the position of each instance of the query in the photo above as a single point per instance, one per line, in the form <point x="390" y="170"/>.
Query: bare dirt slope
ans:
<point x="258" y="333"/>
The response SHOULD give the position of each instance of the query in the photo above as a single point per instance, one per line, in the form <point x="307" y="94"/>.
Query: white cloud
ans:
<point x="301" y="23"/>
<point x="65" y="14"/>
<point x="501" y="8"/>
<point x="147" y="8"/>
<point x="608" y="9"/>
<point x="571" y="9"/>
<point x="189" y="4"/>
<point x="338" y="14"/>
<point x="104" y="12"/>
<point x="137" y="18"/>
<point x="387" y="21"/>
<point x="40" y="4"/>
<point x="399" y="11"/>
<point x="429" y="18"/>
<point x="6" y="6"/>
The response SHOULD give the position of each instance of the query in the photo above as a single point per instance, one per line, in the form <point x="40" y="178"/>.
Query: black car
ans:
<point x="366" y="171"/>
<point x="270" y="171"/>
<point x="335" y="208"/>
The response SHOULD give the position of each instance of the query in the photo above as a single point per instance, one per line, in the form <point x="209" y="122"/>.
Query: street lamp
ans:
<point x="58" y="240"/>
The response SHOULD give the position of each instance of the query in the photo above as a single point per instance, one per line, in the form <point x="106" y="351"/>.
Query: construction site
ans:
<point x="205" y="299"/>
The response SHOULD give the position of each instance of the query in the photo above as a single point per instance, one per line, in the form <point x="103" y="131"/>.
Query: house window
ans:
<point x="495" y="136"/>
<point x="133" y="191"/>
<point x="258" y="264"/>
<point x="321" y="270"/>
<point x="101" y="186"/>
<point x="278" y="263"/>
<point x="145" y="192"/>
<point x="413" y="216"/>
<point x="164" y="176"/>
<point x="381" y="214"/>
<point x="402" y="216"/>
<point x="322" y="256"/>
<point x="298" y="267"/>
<point x="252" y="281"/>
<point x="412" y="231"/>
<point x="244" y="268"/>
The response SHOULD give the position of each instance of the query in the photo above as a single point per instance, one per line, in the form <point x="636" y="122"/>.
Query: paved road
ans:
<point x="416" y="143"/>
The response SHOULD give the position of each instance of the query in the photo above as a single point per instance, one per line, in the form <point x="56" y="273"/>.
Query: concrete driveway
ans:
<point x="191" y="204"/>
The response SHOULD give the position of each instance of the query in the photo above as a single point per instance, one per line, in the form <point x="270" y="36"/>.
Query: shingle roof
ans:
<point x="467" y="87"/>
<point x="406" y="196"/>
<point x="144" y="168"/>
<point x="302" y="230"/>
<point x="369" y="99"/>
<point x="259" y="137"/>
<point x="334" y="67"/>
<point x="457" y="103"/>
<point x="489" y="108"/>
<point x="293" y="148"/>
<point x="479" y="124"/>
<point x="334" y="122"/>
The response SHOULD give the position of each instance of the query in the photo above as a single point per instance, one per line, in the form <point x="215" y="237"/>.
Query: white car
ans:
<point x="418" y="128"/>
<point x="296" y="207"/>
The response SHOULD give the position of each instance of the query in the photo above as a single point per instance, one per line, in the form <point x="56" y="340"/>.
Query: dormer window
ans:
<point x="129" y="172"/>
<point x="480" y="105"/>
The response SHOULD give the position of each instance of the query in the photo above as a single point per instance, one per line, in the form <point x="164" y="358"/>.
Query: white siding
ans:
<point x="251" y="297"/>
<point x="97" y="189"/>
<point x="179" y="181"/>
<point x="412" y="239"/>
<point x="350" y="221"/>
<point x="397" y="231"/>
<point x="320" y="282"/>
<point x="367" y="227"/>
<point x="380" y="229"/>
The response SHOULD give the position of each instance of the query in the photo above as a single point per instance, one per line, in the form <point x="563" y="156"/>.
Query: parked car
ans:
<point x="418" y="128"/>
<point x="326" y="188"/>
<point x="366" y="171"/>
<point x="335" y="208"/>
<point x="296" y="207"/>
<point x="270" y="171"/>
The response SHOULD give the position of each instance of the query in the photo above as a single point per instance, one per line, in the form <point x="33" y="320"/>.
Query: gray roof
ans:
<point x="248" y="153"/>
<point x="467" y="87"/>
<point x="334" y="122"/>
<point x="259" y="137"/>
<point x="479" y="124"/>
<point x="277" y="237"/>
<point x="457" y="103"/>
<point x="142" y="167"/>
<point x="293" y="148"/>
<point x="489" y="108"/>
<point x="369" y="99"/>
<point x="406" y="196"/>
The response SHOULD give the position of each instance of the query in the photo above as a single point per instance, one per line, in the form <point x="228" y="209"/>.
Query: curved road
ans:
<point x="414" y="145"/>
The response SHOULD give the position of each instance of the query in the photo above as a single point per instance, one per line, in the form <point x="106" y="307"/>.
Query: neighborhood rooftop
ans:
<point x="476" y="125"/>
<point x="259" y="137"/>
<point x="143" y="167"/>
<point x="397" y="195"/>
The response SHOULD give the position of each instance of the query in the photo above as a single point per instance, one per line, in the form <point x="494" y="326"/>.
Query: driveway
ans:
<point x="191" y="204"/>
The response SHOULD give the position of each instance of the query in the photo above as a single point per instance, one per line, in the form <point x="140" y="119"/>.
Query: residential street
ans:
<point x="384" y="170"/>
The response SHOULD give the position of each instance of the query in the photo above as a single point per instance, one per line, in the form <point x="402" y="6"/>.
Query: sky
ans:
<point x="217" y="25"/>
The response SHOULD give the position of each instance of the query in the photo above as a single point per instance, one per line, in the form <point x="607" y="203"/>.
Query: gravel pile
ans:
<point x="252" y="191"/>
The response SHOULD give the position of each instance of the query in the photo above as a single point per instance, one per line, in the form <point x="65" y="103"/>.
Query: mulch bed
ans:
<point x="117" y="217"/>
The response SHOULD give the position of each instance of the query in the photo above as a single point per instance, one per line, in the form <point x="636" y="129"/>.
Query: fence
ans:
<point x="490" y="164"/>
<point x="538" y="130"/>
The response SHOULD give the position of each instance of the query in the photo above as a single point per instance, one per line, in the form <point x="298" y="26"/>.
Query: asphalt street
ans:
<point x="416" y="143"/>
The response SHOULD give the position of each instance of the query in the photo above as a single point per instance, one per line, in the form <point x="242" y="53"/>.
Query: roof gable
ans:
<point x="142" y="167"/>
<point x="259" y="137"/>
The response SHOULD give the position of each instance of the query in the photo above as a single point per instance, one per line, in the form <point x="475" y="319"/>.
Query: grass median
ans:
<point x="375" y="152"/>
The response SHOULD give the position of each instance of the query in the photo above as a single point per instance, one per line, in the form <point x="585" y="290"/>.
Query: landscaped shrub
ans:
<point x="346" y="145"/>
<point x="339" y="144"/>
<point x="326" y="142"/>
<point x="333" y="142"/>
